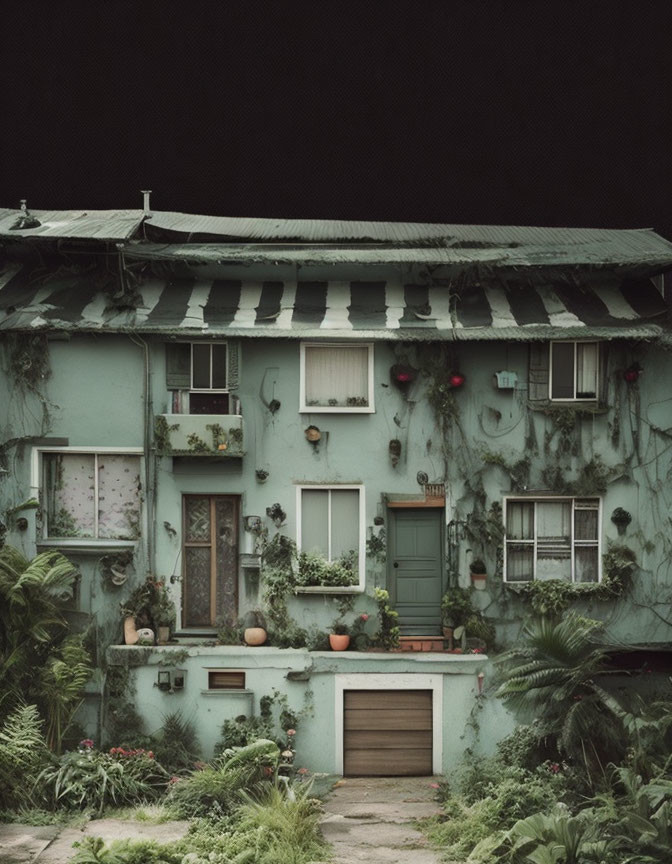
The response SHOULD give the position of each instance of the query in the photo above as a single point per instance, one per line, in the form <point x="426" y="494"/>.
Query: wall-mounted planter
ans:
<point x="217" y="436"/>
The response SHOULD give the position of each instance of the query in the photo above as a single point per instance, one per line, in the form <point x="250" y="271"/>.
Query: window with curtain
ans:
<point x="574" y="370"/>
<point x="329" y="521"/>
<point x="337" y="377"/>
<point x="92" y="495"/>
<point x="552" y="539"/>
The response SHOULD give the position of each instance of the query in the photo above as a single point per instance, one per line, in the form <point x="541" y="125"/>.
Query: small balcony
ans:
<point x="216" y="436"/>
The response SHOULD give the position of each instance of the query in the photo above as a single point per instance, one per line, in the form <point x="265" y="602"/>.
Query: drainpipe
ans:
<point x="150" y="473"/>
<point x="145" y="201"/>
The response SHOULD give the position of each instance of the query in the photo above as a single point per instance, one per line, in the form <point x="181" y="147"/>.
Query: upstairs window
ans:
<point x="552" y="538"/>
<point x="337" y="378"/>
<point x="201" y="376"/>
<point x="330" y="521"/>
<point x="574" y="371"/>
<point x="91" y="495"/>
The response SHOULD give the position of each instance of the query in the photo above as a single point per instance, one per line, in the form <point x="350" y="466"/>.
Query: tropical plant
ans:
<point x="23" y="755"/>
<point x="557" y="675"/>
<point x="32" y="596"/>
<point x="215" y="788"/>
<point x="241" y="731"/>
<point x="62" y="681"/>
<point x="175" y="746"/>
<point x="90" y="779"/>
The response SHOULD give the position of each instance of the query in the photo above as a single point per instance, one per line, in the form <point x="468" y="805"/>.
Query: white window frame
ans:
<point x="36" y="476"/>
<point x="573" y="398"/>
<point x="335" y="409"/>
<point x="361" y="549"/>
<point x="210" y="345"/>
<point x="573" y="544"/>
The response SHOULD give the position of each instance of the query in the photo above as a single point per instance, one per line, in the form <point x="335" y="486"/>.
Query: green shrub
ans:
<point x="215" y="788"/>
<point x="89" y="779"/>
<point x="175" y="746"/>
<point x="23" y="755"/>
<point x="241" y="731"/>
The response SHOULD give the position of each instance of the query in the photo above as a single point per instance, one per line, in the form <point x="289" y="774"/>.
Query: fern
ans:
<point x="23" y="754"/>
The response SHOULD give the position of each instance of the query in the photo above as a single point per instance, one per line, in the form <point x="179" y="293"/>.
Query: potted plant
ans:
<point x="164" y="613"/>
<point x="455" y="609"/>
<point x="339" y="638"/>
<point x="255" y="628"/>
<point x="478" y="574"/>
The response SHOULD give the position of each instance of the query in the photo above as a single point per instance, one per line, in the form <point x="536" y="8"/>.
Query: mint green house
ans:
<point x="177" y="390"/>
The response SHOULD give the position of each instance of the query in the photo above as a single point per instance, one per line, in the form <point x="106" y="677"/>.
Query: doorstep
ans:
<point x="421" y="643"/>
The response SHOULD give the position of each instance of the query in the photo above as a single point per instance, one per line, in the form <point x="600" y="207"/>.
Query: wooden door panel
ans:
<point x="416" y="569"/>
<point x="388" y="763"/>
<point x="376" y="699"/>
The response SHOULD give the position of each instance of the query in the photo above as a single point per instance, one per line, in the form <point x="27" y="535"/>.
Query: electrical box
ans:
<point x="506" y="380"/>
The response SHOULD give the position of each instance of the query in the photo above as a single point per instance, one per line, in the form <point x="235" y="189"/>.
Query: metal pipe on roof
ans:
<point x="145" y="200"/>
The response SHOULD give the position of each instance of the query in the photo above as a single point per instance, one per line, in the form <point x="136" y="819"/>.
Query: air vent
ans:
<point x="225" y="679"/>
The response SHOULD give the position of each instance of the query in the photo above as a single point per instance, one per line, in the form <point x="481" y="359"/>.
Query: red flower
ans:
<point x="364" y="616"/>
<point x="291" y="732"/>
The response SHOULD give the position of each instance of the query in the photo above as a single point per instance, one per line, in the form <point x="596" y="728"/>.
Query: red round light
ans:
<point x="456" y="380"/>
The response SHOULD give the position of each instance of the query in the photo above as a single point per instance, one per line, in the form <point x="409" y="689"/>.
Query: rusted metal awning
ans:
<point x="380" y="310"/>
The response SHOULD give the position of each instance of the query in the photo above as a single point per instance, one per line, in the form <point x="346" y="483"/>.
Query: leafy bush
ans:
<point x="314" y="569"/>
<point x="176" y="746"/>
<point x="90" y="779"/>
<point x="215" y="788"/>
<point x="23" y="755"/>
<point x="241" y="731"/>
<point x="555" y="674"/>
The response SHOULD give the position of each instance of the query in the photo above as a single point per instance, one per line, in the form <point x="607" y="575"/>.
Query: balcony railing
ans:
<point x="217" y="436"/>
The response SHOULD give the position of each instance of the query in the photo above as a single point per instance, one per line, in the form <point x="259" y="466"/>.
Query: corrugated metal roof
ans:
<point x="380" y="310"/>
<point x="641" y="255"/>
<point x="80" y="224"/>
<point x="323" y="230"/>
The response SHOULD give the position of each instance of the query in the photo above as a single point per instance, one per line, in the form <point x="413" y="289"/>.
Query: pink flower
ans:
<point x="302" y="771"/>
<point x="86" y="744"/>
<point x="364" y="616"/>
<point x="434" y="786"/>
<point x="477" y="651"/>
<point x="173" y="780"/>
<point x="291" y="732"/>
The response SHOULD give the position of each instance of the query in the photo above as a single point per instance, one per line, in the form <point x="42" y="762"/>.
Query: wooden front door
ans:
<point x="210" y="556"/>
<point x="415" y="571"/>
<point x="387" y="733"/>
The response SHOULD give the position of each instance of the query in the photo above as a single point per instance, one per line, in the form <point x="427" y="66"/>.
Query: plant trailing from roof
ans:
<point x="162" y="430"/>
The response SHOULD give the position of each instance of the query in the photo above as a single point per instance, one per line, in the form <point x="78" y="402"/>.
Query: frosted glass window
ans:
<point x="336" y="376"/>
<point x="92" y="495"/>
<point x="330" y="521"/>
<point x="552" y="539"/>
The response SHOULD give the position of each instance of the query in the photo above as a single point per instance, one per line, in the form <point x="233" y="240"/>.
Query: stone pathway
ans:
<point x="371" y="819"/>
<point x="27" y="844"/>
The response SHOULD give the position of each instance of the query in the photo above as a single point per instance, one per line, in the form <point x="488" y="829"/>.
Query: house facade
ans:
<point x="180" y="391"/>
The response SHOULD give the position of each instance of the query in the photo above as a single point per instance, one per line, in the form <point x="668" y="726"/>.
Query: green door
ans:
<point x="415" y="569"/>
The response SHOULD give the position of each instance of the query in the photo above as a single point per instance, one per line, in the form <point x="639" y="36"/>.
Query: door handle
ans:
<point x="395" y="564"/>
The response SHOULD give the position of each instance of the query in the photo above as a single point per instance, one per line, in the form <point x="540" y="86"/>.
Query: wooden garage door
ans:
<point x="387" y="733"/>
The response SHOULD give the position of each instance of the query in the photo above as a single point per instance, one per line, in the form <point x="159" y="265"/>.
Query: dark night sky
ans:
<point x="488" y="112"/>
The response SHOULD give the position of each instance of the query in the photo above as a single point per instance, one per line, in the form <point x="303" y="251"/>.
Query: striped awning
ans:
<point x="337" y="309"/>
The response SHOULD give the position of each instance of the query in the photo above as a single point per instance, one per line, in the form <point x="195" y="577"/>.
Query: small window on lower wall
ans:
<point x="225" y="679"/>
<point x="552" y="538"/>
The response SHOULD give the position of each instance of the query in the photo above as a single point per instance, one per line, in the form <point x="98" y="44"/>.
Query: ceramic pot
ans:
<point x="164" y="634"/>
<point x="339" y="642"/>
<point x="478" y="581"/>
<point x="254" y="636"/>
<point x="130" y="633"/>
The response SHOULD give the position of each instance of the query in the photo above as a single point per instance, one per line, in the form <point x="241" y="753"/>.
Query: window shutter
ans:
<point x="178" y="365"/>
<point x="538" y="372"/>
<point x="602" y="374"/>
<point x="234" y="364"/>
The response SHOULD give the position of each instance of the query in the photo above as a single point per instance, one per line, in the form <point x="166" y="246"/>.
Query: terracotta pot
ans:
<point x="478" y="581"/>
<point x="339" y="642"/>
<point x="130" y="633"/>
<point x="164" y="634"/>
<point x="254" y="636"/>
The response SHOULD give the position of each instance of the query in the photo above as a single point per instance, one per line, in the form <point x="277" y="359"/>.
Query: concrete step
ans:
<point x="421" y="643"/>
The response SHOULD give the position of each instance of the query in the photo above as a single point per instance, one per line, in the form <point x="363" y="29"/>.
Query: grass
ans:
<point x="150" y="814"/>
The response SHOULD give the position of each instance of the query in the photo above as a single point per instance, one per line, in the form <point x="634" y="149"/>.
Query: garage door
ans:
<point x="387" y="733"/>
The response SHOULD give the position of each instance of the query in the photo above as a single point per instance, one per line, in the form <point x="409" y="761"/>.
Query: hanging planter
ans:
<point x="456" y="379"/>
<point x="478" y="574"/>
<point x="632" y="373"/>
<point x="402" y="375"/>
